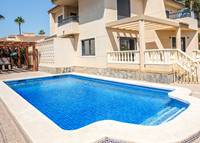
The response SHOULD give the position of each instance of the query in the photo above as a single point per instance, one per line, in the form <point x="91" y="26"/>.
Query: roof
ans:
<point x="30" y="38"/>
<point x="177" y="3"/>
<point x="54" y="8"/>
<point x="22" y="38"/>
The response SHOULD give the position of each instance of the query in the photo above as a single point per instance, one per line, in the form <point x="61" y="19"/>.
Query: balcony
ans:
<point x="182" y="14"/>
<point x="68" y="26"/>
<point x="123" y="59"/>
<point x="68" y="20"/>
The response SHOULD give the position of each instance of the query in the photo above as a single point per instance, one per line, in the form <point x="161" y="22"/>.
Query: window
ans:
<point x="88" y="47"/>
<point x="60" y="18"/>
<point x="128" y="44"/>
<point x="123" y="9"/>
<point x="167" y="13"/>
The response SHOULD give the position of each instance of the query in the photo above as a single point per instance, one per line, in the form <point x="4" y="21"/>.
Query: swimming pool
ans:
<point x="73" y="102"/>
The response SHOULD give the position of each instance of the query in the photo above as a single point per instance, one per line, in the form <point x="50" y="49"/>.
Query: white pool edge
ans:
<point x="40" y="129"/>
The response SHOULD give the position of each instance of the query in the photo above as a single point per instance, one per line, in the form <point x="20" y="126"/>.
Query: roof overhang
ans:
<point x="175" y="4"/>
<point x="151" y="23"/>
<point x="72" y="3"/>
<point x="54" y="9"/>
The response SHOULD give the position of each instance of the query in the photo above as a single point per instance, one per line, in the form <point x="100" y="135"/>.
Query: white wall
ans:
<point x="64" y="52"/>
<point x="92" y="25"/>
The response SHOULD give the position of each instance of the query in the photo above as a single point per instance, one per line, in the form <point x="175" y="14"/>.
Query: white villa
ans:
<point x="151" y="40"/>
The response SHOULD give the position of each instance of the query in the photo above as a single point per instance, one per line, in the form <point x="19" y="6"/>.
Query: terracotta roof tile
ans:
<point x="23" y="38"/>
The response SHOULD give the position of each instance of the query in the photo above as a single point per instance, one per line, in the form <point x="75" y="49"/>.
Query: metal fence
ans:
<point x="72" y="18"/>
<point x="182" y="15"/>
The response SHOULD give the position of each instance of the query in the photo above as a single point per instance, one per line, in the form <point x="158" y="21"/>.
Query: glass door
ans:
<point x="127" y="44"/>
<point x="183" y="44"/>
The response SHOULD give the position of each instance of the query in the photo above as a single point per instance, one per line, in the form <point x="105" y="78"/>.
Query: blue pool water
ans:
<point x="73" y="102"/>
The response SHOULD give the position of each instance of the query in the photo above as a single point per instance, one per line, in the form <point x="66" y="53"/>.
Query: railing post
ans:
<point x="198" y="71"/>
<point x="132" y="55"/>
<point x="146" y="57"/>
<point x="167" y="57"/>
<point x="108" y="56"/>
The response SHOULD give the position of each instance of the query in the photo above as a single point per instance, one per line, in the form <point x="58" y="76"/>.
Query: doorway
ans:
<point x="127" y="44"/>
<point x="183" y="43"/>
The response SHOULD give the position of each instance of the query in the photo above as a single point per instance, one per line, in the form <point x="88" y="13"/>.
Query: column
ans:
<point x="178" y="38"/>
<point x="142" y="43"/>
<point x="27" y="59"/>
<point x="34" y="58"/>
<point x="19" y="57"/>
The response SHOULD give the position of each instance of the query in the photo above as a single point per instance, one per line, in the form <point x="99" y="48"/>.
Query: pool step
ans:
<point x="165" y="115"/>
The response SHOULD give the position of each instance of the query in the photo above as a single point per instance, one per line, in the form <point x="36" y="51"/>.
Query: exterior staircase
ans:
<point x="185" y="68"/>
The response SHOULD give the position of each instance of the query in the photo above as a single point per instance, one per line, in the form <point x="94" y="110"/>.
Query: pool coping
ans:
<point x="40" y="129"/>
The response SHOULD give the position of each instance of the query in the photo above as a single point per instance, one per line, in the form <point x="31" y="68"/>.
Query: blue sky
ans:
<point x="34" y="13"/>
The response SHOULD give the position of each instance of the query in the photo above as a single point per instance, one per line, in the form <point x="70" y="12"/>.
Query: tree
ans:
<point x="41" y="32"/>
<point x="19" y="20"/>
<point x="196" y="7"/>
<point x="1" y="16"/>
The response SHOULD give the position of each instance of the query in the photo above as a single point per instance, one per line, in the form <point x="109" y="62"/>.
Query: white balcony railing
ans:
<point x="187" y="68"/>
<point x="197" y="54"/>
<point x="123" y="57"/>
<point x="160" y="56"/>
<point x="184" y="14"/>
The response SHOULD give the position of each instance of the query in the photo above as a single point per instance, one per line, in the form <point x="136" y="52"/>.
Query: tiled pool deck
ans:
<point x="9" y="133"/>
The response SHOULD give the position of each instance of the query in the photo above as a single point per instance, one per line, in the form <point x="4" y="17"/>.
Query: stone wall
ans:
<point x="166" y="78"/>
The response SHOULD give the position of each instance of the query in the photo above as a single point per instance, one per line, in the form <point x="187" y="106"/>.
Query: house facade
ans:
<point x="118" y="37"/>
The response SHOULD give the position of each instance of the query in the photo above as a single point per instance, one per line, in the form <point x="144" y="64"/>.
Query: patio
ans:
<point x="19" y="73"/>
<point x="9" y="131"/>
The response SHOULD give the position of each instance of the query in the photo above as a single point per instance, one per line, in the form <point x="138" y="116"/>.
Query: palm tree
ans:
<point x="1" y="16"/>
<point x="19" y="20"/>
<point x="41" y="32"/>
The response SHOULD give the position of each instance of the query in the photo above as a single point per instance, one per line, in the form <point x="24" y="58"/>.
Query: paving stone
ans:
<point x="9" y="133"/>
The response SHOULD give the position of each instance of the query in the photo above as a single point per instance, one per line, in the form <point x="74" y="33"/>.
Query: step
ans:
<point x="157" y="115"/>
<point x="163" y="116"/>
<point x="175" y="115"/>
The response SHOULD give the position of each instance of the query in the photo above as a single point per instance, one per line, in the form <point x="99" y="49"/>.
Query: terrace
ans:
<point x="68" y="26"/>
<point x="182" y="14"/>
